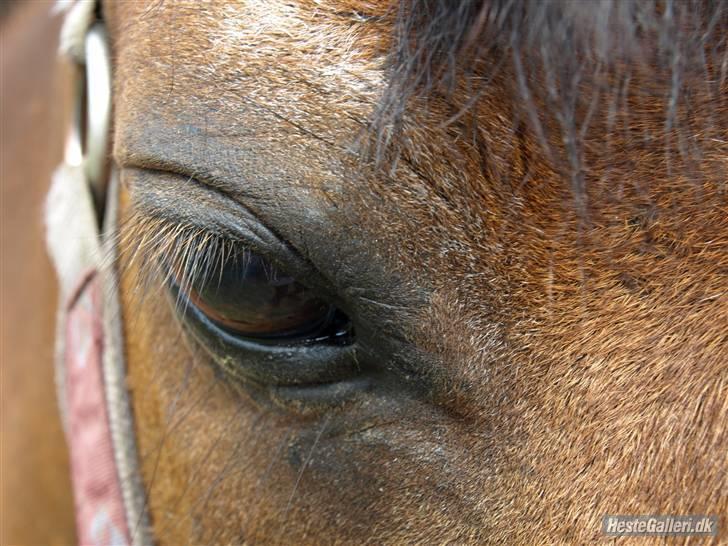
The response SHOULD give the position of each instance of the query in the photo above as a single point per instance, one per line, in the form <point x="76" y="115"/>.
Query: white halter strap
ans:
<point x="90" y="365"/>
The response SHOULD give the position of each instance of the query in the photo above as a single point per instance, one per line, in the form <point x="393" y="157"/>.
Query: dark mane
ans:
<point x="550" y="49"/>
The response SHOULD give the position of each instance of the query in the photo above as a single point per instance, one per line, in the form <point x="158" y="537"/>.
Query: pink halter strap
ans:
<point x="100" y="515"/>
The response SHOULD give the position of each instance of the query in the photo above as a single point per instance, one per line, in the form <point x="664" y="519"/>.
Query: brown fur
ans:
<point x="575" y="342"/>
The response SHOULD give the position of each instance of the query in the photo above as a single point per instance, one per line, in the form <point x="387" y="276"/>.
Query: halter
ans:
<point x="81" y="221"/>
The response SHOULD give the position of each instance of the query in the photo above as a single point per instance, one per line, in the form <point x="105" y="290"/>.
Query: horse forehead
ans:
<point x="227" y="41"/>
<point x="269" y="70"/>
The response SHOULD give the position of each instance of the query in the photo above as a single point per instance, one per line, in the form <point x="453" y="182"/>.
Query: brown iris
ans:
<point x="251" y="298"/>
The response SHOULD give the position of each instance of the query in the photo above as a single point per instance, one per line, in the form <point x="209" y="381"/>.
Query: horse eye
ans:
<point x="250" y="298"/>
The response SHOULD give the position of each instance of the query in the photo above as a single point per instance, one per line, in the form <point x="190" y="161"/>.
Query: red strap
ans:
<point x="100" y="516"/>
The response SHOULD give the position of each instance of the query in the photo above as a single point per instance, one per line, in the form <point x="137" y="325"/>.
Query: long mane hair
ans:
<point x="566" y="59"/>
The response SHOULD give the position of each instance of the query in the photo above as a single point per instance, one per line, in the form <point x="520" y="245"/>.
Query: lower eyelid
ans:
<point x="250" y="360"/>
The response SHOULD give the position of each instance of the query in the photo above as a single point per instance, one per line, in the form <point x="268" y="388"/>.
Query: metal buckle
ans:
<point x="88" y="140"/>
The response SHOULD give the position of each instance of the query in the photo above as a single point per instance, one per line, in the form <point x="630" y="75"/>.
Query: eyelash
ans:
<point x="170" y="252"/>
<point x="157" y="253"/>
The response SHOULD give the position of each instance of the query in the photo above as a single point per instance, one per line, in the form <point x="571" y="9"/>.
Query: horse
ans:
<point x="417" y="272"/>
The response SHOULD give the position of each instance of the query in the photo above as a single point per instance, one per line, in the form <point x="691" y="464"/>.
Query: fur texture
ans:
<point x="545" y="245"/>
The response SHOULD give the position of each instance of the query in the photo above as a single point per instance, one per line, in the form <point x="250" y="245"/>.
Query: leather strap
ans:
<point x="90" y="367"/>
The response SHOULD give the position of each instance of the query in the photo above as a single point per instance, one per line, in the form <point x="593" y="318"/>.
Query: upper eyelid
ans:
<point x="185" y="201"/>
<point x="214" y="214"/>
<point x="192" y="173"/>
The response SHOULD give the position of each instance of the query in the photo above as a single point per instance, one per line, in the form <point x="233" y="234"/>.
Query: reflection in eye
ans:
<point x="251" y="298"/>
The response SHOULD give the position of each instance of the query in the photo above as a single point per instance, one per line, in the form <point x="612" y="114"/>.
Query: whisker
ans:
<point x="303" y="467"/>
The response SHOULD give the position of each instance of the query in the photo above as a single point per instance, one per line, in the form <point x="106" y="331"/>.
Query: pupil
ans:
<point x="251" y="297"/>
